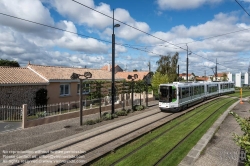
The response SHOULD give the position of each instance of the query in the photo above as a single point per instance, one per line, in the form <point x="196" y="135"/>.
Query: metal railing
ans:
<point x="35" y="112"/>
<point x="10" y="113"/>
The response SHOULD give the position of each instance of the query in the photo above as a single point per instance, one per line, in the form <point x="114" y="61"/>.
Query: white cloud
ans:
<point x="184" y="4"/>
<point x="32" y="10"/>
<point x="85" y="16"/>
<point x="76" y="43"/>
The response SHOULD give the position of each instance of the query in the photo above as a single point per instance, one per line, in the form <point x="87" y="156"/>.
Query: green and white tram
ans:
<point x="178" y="96"/>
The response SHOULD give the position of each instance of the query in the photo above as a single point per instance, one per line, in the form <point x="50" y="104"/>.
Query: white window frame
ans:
<point x="64" y="85"/>
<point x="84" y="91"/>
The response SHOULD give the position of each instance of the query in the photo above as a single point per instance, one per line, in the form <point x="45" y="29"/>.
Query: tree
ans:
<point x="9" y="63"/>
<point x="224" y="77"/>
<point x="158" y="79"/>
<point x="41" y="97"/>
<point x="244" y="140"/>
<point x="167" y="65"/>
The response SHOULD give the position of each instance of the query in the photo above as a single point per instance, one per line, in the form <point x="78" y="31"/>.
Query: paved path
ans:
<point x="216" y="147"/>
<point x="26" y="139"/>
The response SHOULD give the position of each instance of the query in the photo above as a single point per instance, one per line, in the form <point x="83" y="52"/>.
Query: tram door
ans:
<point x="165" y="94"/>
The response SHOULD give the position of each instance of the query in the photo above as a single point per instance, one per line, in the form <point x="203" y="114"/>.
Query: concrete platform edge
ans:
<point x="202" y="143"/>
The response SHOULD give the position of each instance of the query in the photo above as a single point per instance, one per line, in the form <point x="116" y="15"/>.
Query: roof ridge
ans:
<point x="13" y="67"/>
<point x="62" y="67"/>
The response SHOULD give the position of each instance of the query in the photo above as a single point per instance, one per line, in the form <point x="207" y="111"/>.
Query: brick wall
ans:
<point x="18" y="95"/>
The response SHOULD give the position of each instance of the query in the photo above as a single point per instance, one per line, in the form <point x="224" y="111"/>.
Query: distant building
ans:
<point x="239" y="79"/>
<point x="184" y="76"/>
<point x="109" y="68"/>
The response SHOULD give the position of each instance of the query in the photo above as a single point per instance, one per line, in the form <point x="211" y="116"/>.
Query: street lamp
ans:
<point x="130" y="77"/>
<point x="113" y="67"/>
<point x="75" y="76"/>
<point x="188" y="53"/>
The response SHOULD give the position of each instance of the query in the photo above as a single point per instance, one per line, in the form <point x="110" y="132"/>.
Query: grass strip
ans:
<point x="114" y="156"/>
<point x="150" y="154"/>
<point x="245" y="93"/>
<point x="181" y="151"/>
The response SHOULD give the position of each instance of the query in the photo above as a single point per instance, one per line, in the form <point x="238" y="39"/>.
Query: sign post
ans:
<point x="241" y="102"/>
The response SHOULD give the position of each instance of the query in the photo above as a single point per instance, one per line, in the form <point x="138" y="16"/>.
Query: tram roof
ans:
<point x="194" y="83"/>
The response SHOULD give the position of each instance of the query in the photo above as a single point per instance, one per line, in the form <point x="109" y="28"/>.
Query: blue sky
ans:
<point x="173" y="21"/>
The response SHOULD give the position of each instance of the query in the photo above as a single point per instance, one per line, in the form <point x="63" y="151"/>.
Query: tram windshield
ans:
<point x="165" y="94"/>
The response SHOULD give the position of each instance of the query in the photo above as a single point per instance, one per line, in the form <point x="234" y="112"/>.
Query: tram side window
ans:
<point x="191" y="91"/>
<point x="187" y="92"/>
<point x="183" y="92"/>
<point x="180" y="95"/>
<point x="196" y="90"/>
<point x="202" y="89"/>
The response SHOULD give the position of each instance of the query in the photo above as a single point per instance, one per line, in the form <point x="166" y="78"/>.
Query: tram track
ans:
<point x="176" y="115"/>
<point x="184" y="138"/>
<point x="159" y="135"/>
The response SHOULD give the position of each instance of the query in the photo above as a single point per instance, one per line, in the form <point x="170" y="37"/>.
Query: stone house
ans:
<point x="61" y="87"/>
<point x="19" y="85"/>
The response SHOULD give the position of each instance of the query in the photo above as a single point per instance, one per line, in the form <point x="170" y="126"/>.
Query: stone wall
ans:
<point x="18" y="95"/>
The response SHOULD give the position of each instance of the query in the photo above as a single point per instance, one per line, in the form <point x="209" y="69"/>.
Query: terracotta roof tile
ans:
<point x="64" y="73"/>
<point x="220" y="74"/>
<point x="109" y="66"/>
<point x="19" y="75"/>
<point x="141" y="74"/>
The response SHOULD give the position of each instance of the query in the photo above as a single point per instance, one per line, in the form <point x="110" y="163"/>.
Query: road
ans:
<point x="9" y="126"/>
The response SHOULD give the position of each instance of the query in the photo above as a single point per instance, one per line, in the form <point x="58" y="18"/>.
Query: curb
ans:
<point x="195" y="152"/>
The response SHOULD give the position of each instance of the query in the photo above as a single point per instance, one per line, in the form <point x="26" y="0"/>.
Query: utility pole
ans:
<point x="113" y="67"/>
<point x="187" y="65"/>
<point x="205" y="75"/>
<point x="149" y="66"/>
<point x="178" y="73"/>
<point x="216" y="70"/>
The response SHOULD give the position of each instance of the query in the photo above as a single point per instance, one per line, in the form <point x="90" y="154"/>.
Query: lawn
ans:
<point x="149" y="154"/>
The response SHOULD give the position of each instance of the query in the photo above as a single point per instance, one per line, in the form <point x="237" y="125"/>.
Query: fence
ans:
<point x="35" y="112"/>
<point x="14" y="113"/>
<point x="10" y="113"/>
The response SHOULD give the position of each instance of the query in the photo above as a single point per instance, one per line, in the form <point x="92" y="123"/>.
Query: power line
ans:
<point x="49" y="26"/>
<point x="126" y="24"/>
<point x="215" y="36"/>
<point x="132" y="27"/>
<point x="125" y="45"/>
<point x="146" y="32"/>
<point x="242" y="8"/>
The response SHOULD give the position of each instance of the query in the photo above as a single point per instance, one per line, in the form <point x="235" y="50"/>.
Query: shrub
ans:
<point x="114" y="115"/>
<point x="121" y="113"/>
<point x="243" y="141"/>
<point x="98" y="120"/>
<point x="138" y="107"/>
<point x="106" y="116"/>
<point x="40" y="114"/>
<point x="144" y="107"/>
<point x="90" y="122"/>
